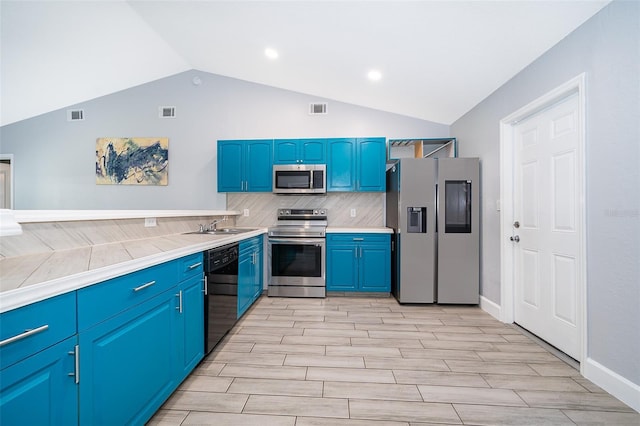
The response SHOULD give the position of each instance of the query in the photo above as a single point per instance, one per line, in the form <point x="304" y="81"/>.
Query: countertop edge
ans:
<point x="32" y="216"/>
<point x="355" y="230"/>
<point x="22" y="296"/>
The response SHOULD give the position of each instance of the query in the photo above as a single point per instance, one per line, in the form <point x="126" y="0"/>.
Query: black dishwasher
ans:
<point x="221" y="293"/>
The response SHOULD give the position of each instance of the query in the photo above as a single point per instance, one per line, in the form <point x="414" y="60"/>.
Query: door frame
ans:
<point x="11" y="160"/>
<point x="507" y="258"/>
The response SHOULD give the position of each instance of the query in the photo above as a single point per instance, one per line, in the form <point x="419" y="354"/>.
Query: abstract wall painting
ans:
<point x="132" y="161"/>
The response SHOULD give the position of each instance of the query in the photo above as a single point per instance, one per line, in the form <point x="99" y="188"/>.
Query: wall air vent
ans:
<point x="75" y="115"/>
<point x="318" y="108"/>
<point x="167" y="112"/>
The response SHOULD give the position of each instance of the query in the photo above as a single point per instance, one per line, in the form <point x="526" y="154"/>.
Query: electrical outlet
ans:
<point x="150" y="222"/>
<point x="353" y="212"/>
<point x="245" y="213"/>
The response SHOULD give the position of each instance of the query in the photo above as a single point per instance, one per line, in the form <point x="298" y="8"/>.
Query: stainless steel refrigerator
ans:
<point x="432" y="205"/>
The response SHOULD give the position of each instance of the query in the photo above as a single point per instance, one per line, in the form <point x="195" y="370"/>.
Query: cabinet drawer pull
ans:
<point x="195" y="265"/>
<point x="179" y="296"/>
<point x="143" y="286"/>
<point x="26" y="334"/>
<point x="358" y="239"/>
<point x="76" y="355"/>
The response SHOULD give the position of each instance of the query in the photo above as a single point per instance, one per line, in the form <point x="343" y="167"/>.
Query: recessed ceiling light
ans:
<point x="271" y="53"/>
<point x="374" y="75"/>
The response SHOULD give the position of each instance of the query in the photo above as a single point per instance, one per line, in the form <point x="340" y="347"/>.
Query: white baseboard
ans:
<point x="623" y="389"/>
<point x="492" y="308"/>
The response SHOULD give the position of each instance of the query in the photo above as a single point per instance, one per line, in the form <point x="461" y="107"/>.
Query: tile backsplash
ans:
<point x="263" y="207"/>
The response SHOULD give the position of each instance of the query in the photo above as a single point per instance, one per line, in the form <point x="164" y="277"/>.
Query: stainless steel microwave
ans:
<point x="299" y="178"/>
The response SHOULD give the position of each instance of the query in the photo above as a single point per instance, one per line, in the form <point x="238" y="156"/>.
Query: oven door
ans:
<point x="297" y="262"/>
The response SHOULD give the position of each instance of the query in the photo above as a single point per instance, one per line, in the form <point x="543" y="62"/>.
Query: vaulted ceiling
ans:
<point x="437" y="59"/>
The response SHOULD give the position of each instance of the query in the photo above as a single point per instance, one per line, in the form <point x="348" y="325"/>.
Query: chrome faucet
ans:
<point x="214" y="225"/>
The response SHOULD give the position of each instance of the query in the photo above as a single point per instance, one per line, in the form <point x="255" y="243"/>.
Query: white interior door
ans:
<point x="547" y="258"/>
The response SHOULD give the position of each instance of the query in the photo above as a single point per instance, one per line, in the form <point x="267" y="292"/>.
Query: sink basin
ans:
<point x="225" y="231"/>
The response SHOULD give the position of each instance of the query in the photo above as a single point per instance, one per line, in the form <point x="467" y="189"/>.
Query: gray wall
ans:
<point x="607" y="49"/>
<point x="55" y="159"/>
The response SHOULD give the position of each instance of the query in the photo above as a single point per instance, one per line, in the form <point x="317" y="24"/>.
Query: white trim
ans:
<point x="29" y="216"/>
<point x="490" y="307"/>
<point x="575" y="85"/>
<point x="8" y="223"/>
<point x="623" y="389"/>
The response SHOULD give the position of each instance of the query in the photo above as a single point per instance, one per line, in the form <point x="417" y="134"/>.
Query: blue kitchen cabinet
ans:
<point x="356" y="164"/>
<point x="249" y="273"/>
<point x="342" y="267"/>
<point x="127" y="363"/>
<point x="41" y="389"/>
<point x="135" y="352"/>
<point x="37" y="363"/>
<point x="341" y="165"/>
<point x="245" y="165"/>
<point x="371" y="169"/>
<point x="190" y="321"/>
<point x="359" y="262"/>
<point x="299" y="151"/>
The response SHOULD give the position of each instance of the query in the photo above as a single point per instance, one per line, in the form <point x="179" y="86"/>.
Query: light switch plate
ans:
<point x="245" y="213"/>
<point x="353" y="212"/>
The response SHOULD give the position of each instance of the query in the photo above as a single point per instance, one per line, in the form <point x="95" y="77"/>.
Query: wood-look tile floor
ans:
<point x="371" y="361"/>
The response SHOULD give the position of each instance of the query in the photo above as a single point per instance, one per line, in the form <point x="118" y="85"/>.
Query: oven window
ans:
<point x="295" y="260"/>
<point x="293" y="179"/>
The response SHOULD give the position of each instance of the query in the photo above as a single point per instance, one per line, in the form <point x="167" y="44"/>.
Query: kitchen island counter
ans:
<point x="31" y="278"/>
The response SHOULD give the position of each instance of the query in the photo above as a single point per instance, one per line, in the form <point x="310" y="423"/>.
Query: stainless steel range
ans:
<point x="297" y="253"/>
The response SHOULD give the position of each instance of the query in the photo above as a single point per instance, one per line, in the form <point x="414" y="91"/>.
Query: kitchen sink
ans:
<point x="224" y="231"/>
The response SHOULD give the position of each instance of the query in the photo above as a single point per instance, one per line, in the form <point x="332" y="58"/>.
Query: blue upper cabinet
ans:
<point x="230" y="161"/>
<point x="259" y="166"/>
<point x="372" y="156"/>
<point x="299" y="151"/>
<point x="245" y="166"/>
<point x="356" y="164"/>
<point x="341" y="165"/>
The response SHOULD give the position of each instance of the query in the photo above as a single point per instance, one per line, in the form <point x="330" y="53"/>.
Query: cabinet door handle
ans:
<point x="24" y="335"/>
<point x="76" y="373"/>
<point x="195" y="265"/>
<point x="206" y="285"/>
<point x="179" y="296"/>
<point x="143" y="286"/>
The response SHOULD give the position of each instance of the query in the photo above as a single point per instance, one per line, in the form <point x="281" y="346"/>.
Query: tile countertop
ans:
<point x="28" y="279"/>
<point x="347" y="230"/>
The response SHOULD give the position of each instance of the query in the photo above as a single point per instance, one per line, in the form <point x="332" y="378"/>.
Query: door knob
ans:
<point x="516" y="224"/>
<point x="515" y="238"/>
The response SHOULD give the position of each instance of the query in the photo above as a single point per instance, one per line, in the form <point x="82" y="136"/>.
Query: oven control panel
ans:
<point x="302" y="213"/>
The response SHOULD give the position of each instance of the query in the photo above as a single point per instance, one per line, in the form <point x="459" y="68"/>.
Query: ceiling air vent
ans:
<point x="315" y="109"/>
<point x="75" y="115"/>
<point x="167" y="111"/>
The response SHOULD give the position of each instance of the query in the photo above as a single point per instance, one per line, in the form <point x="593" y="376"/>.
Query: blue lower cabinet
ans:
<point x="41" y="389"/>
<point x="375" y="267"/>
<point x="249" y="273"/>
<point x="125" y="360"/>
<point x="342" y="267"/>
<point x="127" y="363"/>
<point x="190" y="326"/>
<point x="359" y="262"/>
